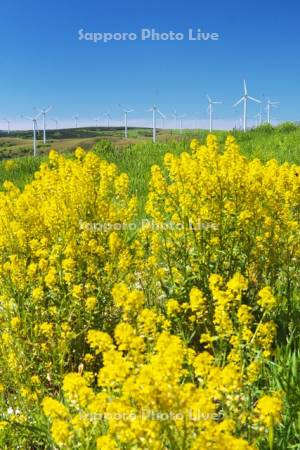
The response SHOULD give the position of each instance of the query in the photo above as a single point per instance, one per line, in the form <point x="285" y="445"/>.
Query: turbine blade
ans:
<point x="238" y="102"/>
<point x="161" y="114"/>
<point x="209" y="99"/>
<point x="245" y="88"/>
<point x="254" y="99"/>
<point x="38" y="115"/>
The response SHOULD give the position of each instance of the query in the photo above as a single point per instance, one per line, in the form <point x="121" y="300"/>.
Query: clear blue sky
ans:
<point x="43" y="62"/>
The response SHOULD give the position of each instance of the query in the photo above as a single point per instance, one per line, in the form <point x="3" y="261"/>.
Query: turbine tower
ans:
<point x="44" y="112"/>
<point x="97" y="121"/>
<point x="154" y="111"/>
<point x="35" y="129"/>
<point x="245" y="100"/>
<point x="56" y="123"/>
<point x="8" y="125"/>
<point x="108" y="116"/>
<point x="126" y="112"/>
<point x="210" y="111"/>
<point x="269" y="106"/>
<point x="258" y="119"/>
<point x="180" y="122"/>
<point x="76" y="118"/>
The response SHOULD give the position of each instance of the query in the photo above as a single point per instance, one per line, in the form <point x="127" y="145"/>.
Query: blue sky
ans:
<point x="43" y="62"/>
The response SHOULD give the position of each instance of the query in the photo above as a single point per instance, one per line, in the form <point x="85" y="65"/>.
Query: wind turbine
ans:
<point x="154" y="111"/>
<point x="176" y="117"/>
<point x="180" y="122"/>
<point x="76" y="118"/>
<point x="269" y="106"/>
<point x="56" y="123"/>
<point x="97" y="121"/>
<point x="245" y="99"/>
<point x="126" y="112"/>
<point x="258" y="119"/>
<point x="108" y="118"/>
<point x="8" y="125"/>
<point x="44" y="112"/>
<point x="210" y="110"/>
<point x="35" y="129"/>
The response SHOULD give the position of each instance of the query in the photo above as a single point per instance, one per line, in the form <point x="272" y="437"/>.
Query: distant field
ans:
<point x="20" y="143"/>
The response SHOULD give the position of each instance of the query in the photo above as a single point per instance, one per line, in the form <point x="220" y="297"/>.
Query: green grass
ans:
<point x="22" y="173"/>
<point x="136" y="160"/>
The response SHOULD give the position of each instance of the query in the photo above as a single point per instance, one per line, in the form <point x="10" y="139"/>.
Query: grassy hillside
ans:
<point x="136" y="155"/>
<point x="265" y="142"/>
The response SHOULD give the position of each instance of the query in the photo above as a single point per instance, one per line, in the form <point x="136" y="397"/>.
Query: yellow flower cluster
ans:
<point x="10" y="164"/>
<point x="58" y="264"/>
<point x="269" y="409"/>
<point x="154" y="389"/>
<point x="223" y="213"/>
<point x="152" y="341"/>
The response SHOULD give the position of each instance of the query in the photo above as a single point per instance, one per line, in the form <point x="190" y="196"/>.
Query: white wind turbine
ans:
<point x="269" y="106"/>
<point x="108" y="116"/>
<point x="97" y="121"/>
<point x="126" y="112"/>
<point x="56" y="123"/>
<point x="44" y="113"/>
<point x="245" y="99"/>
<point x="210" y="111"/>
<point x="35" y="129"/>
<point x="181" y="121"/>
<point x="154" y="111"/>
<point x="8" y="125"/>
<point x="258" y="119"/>
<point x="176" y="117"/>
<point x="76" y="118"/>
